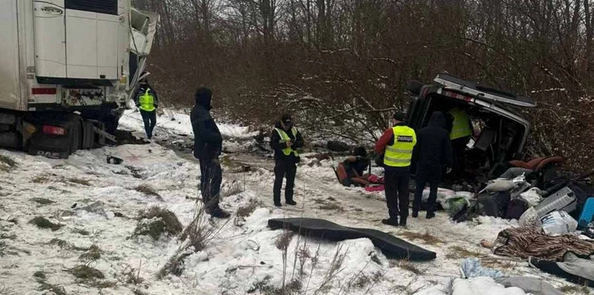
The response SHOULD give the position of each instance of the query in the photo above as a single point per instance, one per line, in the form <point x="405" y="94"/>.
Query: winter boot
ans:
<point x="291" y="202"/>
<point x="430" y="215"/>
<point x="219" y="213"/>
<point x="390" y="221"/>
<point x="402" y="221"/>
<point x="415" y="213"/>
<point x="278" y="204"/>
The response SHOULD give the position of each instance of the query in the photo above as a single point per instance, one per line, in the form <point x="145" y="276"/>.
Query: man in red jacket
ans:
<point x="396" y="147"/>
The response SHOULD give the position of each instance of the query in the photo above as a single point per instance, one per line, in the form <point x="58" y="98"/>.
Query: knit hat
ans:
<point x="287" y="119"/>
<point x="399" y="116"/>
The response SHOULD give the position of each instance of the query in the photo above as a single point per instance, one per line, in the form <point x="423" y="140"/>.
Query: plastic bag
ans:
<point x="504" y="185"/>
<point x="533" y="196"/>
<point x="442" y="194"/>
<point x="558" y="223"/>
<point x="529" y="218"/>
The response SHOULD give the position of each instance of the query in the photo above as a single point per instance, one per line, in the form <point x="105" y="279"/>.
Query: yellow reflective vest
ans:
<point x="400" y="153"/>
<point x="147" y="101"/>
<point x="461" y="126"/>
<point x="284" y="137"/>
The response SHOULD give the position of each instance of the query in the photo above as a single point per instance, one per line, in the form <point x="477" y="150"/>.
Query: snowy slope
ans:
<point x="243" y="256"/>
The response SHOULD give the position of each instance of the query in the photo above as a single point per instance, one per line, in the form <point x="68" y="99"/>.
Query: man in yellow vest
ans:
<point x="397" y="145"/>
<point x="460" y="133"/>
<point x="284" y="140"/>
<point x="147" y="101"/>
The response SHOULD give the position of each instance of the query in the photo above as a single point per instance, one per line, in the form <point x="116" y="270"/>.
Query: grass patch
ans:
<point x="148" y="190"/>
<point x="60" y="243"/>
<point x="328" y="204"/>
<point x="247" y="210"/>
<point x="79" y="181"/>
<point x="43" y="222"/>
<point x="42" y="201"/>
<point x="426" y="237"/>
<point x="94" y="253"/>
<point x="264" y="288"/>
<point x="39" y="275"/>
<point x="157" y="221"/>
<point x="458" y="252"/>
<point x="81" y="232"/>
<point x="409" y="266"/>
<point x="40" y="179"/>
<point x="575" y="289"/>
<point x="284" y="239"/>
<point x="85" y="272"/>
<point x="7" y="163"/>
<point x="55" y="289"/>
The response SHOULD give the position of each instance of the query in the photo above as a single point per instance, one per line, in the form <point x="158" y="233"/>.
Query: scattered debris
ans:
<point x="80" y="181"/>
<point x="6" y="163"/>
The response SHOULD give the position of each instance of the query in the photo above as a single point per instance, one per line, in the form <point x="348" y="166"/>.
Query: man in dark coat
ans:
<point x="208" y="144"/>
<point x="284" y="140"/>
<point x="432" y="153"/>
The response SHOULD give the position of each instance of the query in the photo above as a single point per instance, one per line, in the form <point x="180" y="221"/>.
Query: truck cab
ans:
<point x="500" y="131"/>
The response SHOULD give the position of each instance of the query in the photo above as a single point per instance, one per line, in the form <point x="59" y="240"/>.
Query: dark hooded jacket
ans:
<point x="434" y="149"/>
<point x="279" y="147"/>
<point x="208" y="142"/>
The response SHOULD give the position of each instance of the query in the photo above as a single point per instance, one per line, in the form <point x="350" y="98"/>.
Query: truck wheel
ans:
<point x="75" y="136"/>
<point x="89" y="135"/>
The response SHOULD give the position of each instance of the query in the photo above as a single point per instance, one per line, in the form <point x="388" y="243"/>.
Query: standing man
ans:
<point x="208" y="144"/>
<point x="396" y="145"/>
<point x="459" y="135"/>
<point x="147" y="101"/>
<point x="284" y="140"/>
<point x="432" y="153"/>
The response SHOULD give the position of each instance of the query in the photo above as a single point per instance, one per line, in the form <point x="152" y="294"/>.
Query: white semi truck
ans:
<point x="68" y="69"/>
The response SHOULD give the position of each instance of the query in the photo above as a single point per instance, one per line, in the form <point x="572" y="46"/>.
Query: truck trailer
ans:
<point x="68" y="70"/>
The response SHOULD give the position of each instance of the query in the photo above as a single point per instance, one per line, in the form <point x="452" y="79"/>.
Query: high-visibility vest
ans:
<point x="400" y="153"/>
<point x="284" y="137"/>
<point x="461" y="126"/>
<point x="147" y="101"/>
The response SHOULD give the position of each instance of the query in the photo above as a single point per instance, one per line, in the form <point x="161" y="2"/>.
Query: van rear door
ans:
<point x="451" y="82"/>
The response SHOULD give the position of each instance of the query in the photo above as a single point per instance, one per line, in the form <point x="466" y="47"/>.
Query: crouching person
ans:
<point x="208" y="144"/>
<point x="284" y="140"/>
<point x="352" y="170"/>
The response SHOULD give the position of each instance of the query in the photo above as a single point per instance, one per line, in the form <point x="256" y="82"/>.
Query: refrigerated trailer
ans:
<point x="68" y="69"/>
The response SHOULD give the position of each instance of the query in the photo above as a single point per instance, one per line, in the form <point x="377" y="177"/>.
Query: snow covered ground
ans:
<point x="94" y="205"/>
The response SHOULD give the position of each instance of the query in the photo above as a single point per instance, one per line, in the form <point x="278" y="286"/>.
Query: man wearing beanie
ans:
<point x="208" y="144"/>
<point x="396" y="147"/>
<point x="284" y="140"/>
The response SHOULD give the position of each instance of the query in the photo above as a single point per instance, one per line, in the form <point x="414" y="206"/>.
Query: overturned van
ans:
<point x="500" y="131"/>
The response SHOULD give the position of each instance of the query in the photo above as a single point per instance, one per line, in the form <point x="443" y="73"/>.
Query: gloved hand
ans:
<point x="448" y="170"/>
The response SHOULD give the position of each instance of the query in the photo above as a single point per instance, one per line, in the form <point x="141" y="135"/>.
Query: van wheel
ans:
<point x="75" y="136"/>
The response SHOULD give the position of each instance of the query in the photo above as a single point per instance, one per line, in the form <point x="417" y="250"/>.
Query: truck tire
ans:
<point x="88" y="135"/>
<point x="75" y="136"/>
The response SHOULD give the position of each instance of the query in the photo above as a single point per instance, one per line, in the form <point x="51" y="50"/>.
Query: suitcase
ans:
<point x="587" y="213"/>
<point x="564" y="200"/>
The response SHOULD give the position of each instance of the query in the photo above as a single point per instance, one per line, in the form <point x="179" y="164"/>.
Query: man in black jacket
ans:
<point x="284" y="140"/>
<point x="432" y="153"/>
<point x="208" y="144"/>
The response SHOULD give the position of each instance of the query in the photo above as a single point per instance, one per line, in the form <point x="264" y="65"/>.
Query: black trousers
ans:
<point x="284" y="169"/>
<point x="426" y="175"/>
<point x="150" y="120"/>
<point x="458" y="149"/>
<point x="211" y="177"/>
<point x="397" y="197"/>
